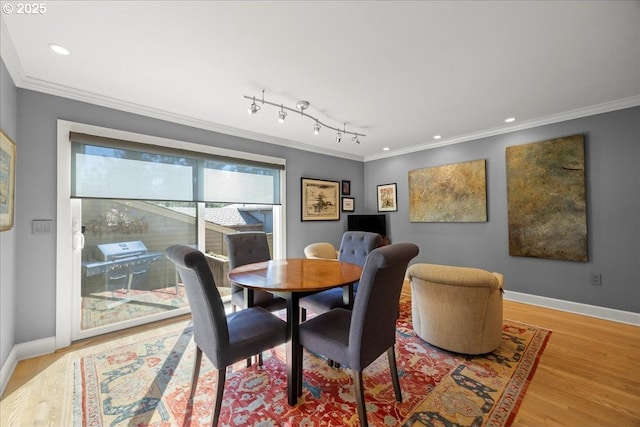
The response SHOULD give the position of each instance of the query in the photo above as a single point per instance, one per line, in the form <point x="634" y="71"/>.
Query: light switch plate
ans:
<point x="42" y="226"/>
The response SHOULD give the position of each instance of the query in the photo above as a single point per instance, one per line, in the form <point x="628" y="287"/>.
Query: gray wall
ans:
<point x="9" y="124"/>
<point x="612" y="149"/>
<point x="36" y="192"/>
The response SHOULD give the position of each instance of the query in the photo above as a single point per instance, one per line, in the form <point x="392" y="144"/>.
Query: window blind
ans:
<point x="116" y="169"/>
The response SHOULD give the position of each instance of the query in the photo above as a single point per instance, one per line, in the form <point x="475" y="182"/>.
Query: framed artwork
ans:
<point x="449" y="193"/>
<point x="320" y="200"/>
<point x="387" y="198"/>
<point x="348" y="204"/>
<point x="7" y="180"/>
<point x="346" y="188"/>
<point x="546" y="199"/>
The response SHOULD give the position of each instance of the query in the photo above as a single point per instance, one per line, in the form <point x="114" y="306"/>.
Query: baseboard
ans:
<point x="8" y="367"/>
<point x="24" y="351"/>
<point x="576" y="307"/>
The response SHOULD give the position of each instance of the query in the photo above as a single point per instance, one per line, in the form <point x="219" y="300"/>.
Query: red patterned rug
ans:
<point x="148" y="384"/>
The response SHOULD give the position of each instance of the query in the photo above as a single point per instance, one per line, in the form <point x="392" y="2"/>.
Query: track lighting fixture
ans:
<point x="301" y="106"/>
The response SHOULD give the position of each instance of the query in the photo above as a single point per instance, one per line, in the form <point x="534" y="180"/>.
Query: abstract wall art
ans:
<point x="449" y="193"/>
<point x="546" y="199"/>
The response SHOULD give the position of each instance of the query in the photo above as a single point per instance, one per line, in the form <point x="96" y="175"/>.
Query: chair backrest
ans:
<point x="210" y="329"/>
<point x="247" y="247"/>
<point x="356" y="246"/>
<point x="321" y="250"/>
<point x="376" y="308"/>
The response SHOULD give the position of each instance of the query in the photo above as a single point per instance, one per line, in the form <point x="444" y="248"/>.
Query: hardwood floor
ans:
<point x="588" y="376"/>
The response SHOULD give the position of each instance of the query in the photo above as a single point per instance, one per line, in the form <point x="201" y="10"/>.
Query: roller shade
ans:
<point x="116" y="169"/>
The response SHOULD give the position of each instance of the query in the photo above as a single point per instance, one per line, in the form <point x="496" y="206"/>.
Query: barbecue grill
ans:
<point x="118" y="266"/>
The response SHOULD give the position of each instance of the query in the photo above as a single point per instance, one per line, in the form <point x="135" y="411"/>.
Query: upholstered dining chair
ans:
<point x="322" y="250"/>
<point x="223" y="339"/>
<point x="246" y="248"/>
<point x="355" y="338"/>
<point x="354" y="248"/>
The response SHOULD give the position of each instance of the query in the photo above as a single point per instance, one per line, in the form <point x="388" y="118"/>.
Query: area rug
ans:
<point x="148" y="384"/>
<point x="105" y="308"/>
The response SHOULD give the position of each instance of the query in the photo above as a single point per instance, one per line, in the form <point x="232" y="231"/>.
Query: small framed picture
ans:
<point x="387" y="198"/>
<point x="348" y="204"/>
<point x="346" y="188"/>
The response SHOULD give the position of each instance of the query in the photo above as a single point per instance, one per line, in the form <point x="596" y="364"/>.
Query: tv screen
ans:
<point x="375" y="223"/>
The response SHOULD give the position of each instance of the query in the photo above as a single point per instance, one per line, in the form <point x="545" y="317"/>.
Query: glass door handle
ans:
<point x="78" y="241"/>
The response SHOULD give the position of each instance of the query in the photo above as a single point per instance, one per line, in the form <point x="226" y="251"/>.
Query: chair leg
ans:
<point x="196" y="373"/>
<point x="391" y="355"/>
<point x="358" y="389"/>
<point x="260" y="359"/>
<point x="222" y="373"/>
<point x="303" y="314"/>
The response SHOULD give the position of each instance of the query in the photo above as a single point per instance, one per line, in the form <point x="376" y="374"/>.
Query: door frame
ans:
<point x="68" y="260"/>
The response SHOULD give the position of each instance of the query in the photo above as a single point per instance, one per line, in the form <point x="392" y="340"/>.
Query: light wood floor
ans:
<point x="588" y="376"/>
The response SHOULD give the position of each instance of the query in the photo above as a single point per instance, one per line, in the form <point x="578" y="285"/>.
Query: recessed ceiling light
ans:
<point x="61" y="50"/>
<point x="386" y="149"/>
<point x="510" y="119"/>
<point x="437" y="136"/>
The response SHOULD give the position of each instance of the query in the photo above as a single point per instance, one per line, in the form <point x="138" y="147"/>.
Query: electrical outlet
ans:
<point x="596" y="279"/>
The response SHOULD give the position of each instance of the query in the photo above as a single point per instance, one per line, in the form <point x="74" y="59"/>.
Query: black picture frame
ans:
<point x="346" y="187"/>
<point x="348" y="204"/>
<point x="320" y="200"/>
<point x="387" y="198"/>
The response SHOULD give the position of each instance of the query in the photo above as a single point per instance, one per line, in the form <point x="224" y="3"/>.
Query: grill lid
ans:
<point x="111" y="251"/>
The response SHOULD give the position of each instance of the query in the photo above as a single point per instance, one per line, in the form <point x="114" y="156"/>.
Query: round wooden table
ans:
<point x="292" y="279"/>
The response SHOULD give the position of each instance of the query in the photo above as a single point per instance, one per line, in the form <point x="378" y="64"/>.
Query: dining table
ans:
<point x="292" y="279"/>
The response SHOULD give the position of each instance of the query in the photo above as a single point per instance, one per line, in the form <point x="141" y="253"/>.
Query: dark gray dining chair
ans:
<point x="354" y="248"/>
<point x="244" y="248"/>
<point x="223" y="339"/>
<point x="355" y="338"/>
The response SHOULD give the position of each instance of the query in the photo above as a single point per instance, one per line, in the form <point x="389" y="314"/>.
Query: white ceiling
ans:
<point x="399" y="72"/>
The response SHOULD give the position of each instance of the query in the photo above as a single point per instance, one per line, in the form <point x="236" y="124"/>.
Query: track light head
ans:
<point x="355" y="139"/>
<point x="254" y="108"/>
<point x="338" y="137"/>
<point x="282" y="114"/>
<point x="316" y="128"/>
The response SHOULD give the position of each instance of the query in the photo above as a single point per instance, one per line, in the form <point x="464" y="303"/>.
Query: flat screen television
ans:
<point x="375" y="223"/>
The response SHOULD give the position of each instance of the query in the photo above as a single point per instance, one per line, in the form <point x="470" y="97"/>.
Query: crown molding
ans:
<point x="606" y="107"/>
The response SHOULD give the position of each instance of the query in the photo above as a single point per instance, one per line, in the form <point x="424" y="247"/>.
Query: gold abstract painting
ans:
<point x="546" y="199"/>
<point x="449" y="193"/>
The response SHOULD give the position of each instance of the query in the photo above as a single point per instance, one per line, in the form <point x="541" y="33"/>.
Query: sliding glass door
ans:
<point x="128" y="201"/>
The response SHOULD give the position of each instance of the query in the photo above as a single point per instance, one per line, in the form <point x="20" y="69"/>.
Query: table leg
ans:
<point x="294" y="359"/>
<point x="347" y="296"/>
<point x="248" y="297"/>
